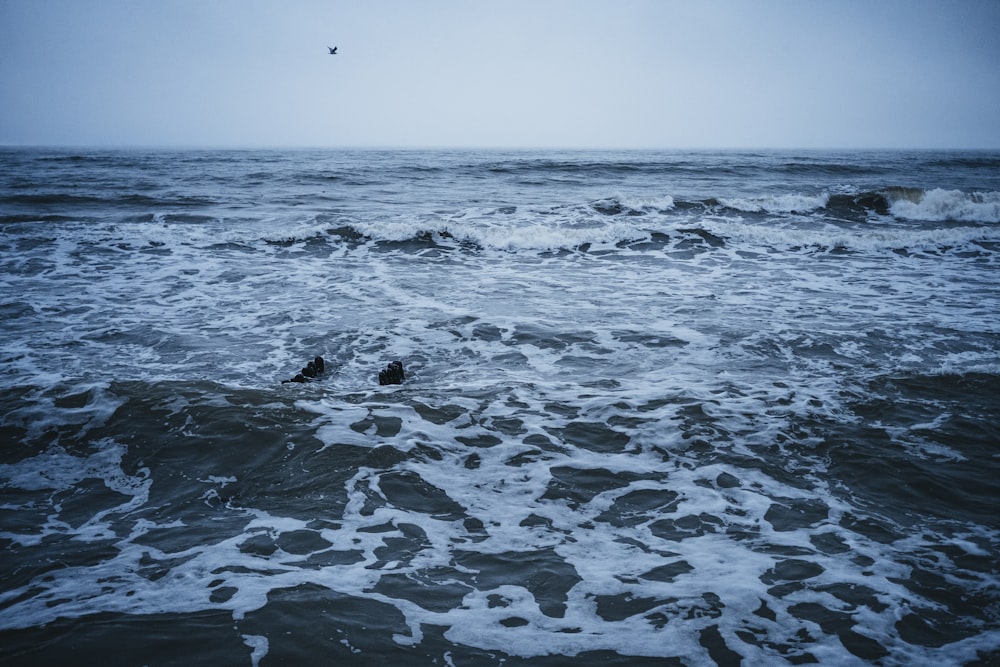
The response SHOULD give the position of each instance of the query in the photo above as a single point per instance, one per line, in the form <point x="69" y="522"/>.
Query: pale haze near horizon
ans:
<point x="518" y="73"/>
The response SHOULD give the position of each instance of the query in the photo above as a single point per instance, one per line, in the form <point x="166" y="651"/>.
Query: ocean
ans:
<point x="659" y="407"/>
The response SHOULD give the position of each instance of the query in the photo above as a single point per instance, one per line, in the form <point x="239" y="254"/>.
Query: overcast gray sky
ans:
<point x="503" y="73"/>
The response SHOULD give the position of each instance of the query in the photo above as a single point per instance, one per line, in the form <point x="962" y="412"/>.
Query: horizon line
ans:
<point x="484" y="147"/>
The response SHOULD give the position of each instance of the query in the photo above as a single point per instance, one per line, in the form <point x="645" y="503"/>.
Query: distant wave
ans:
<point x="117" y="201"/>
<point x="97" y="158"/>
<point x="827" y="168"/>
<point x="543" y="166"/>
<point x="969" y="162"/>
<point x="52" y="199"/>
<point x="726" y="163"/>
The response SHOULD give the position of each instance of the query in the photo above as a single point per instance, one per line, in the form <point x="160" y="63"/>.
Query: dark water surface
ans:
<point x="672" y="408"/>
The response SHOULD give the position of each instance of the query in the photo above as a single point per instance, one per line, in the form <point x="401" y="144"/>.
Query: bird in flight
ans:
<point x="333" y="50"/>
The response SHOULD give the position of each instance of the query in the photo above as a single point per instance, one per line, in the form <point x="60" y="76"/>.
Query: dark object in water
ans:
<point x="393" y="373"/>
<point x="311" y="371"/>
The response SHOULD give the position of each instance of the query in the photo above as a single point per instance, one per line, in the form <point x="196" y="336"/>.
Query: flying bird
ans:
<point x="333" y="50"/>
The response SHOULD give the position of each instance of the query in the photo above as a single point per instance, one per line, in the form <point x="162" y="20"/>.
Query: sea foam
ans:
<point x="950" y="205"/>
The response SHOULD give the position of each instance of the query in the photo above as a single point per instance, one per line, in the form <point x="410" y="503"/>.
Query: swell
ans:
<point x="986" y="162"/>
<point x="57" y="199"/>
<point x="586" y="167"/>
<point x="719" y="163"/>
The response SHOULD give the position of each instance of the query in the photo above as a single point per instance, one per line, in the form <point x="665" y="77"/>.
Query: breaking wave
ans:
<point x="935" y="205"/>
<point x="948" y="205"/>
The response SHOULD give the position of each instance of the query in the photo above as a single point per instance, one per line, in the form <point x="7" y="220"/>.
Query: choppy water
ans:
<point x="660" y="408"/>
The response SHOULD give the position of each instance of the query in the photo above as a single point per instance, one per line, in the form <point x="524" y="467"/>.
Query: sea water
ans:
<point x="665" y="408"/>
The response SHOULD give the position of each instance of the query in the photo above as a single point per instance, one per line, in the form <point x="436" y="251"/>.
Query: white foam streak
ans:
<point x="58" y="470"/>
<point x="259" y="644"/>
<point x="865" y="239"/>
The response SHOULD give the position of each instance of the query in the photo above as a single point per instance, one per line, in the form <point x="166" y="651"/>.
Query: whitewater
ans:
<point x="660" y="407"/>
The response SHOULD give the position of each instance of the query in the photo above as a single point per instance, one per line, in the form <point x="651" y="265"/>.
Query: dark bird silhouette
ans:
<point x="333" y="50"/>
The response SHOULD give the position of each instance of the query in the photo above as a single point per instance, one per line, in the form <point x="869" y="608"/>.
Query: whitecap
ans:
<point x="939" y="205"/>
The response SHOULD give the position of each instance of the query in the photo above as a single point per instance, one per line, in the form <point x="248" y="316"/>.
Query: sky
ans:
<point x="501" y="73"/>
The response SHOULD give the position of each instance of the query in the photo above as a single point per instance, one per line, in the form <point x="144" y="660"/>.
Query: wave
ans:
<point x="904" y="203"/>
<point x="532" y="237"/>
<point x="679" y="241"/>
<point x="115" y="201"/>
<point x="632" y="206"/>
<point x="991" y="162"/>
<point x="34" y="218"/>
<point x="96" y="158"/>
<point x="613" y="225"/>
<point x="52" y="199"/>
<point x="946" y="206"/>
<point x="806" y="168"/>
<point x="717" y="163"/>
<point x="786" y="203"/>
<point x="585" y="167"/>
<point x="891" y="218"/>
